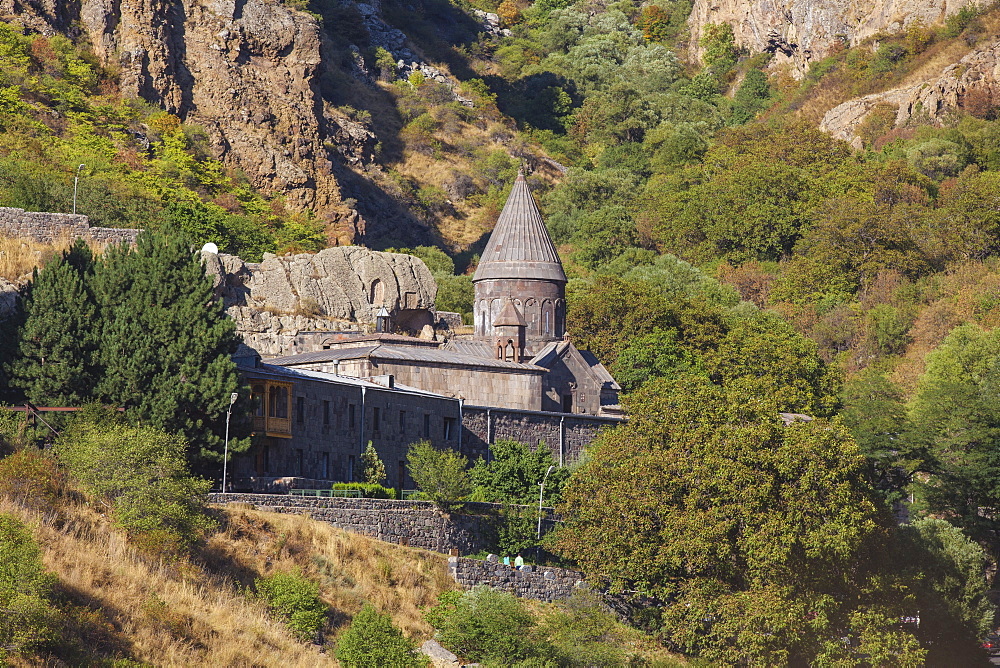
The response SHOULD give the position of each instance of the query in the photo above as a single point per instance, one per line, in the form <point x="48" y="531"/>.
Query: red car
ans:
<point x="992" y="645"/>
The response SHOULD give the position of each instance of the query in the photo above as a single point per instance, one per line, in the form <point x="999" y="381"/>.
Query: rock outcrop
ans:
<point x="337" y="289"/>
<point x="972" y="84"/>
<point x="8" y="298"/>
<point x="245" y="70"/>
<point x="799" y="32"/>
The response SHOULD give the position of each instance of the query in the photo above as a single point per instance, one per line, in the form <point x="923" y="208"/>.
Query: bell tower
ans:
<point x="508" y="334"/>
<point x="520" y="264"/>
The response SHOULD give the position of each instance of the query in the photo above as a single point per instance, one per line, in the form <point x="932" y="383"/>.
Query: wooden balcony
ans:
<point x="279" y="427"/>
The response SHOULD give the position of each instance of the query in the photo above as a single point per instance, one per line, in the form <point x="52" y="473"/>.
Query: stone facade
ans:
<point x="541" y="584"/>
<point x="565" y="435"/>
<point x="413" y="523"/>
<point x="49" y="227"/>
<point x="316" y="426"/>
<point x="475" y="381"/>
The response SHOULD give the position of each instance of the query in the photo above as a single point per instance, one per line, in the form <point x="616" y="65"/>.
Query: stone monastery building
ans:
<point x="516" y="376"/>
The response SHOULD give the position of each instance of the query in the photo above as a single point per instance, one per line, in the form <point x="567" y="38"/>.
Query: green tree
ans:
<point x="373" y="641"/>
<point x="56" y="365"/>
<point x="755" y="537"/>
<point x="513" y="473"/>
<point x="751" y="97"/>
<point x="374" y="467"/>
<point x="165" y="343"/>
<point x="440" y="475"/>
<point x="956" y="421"/>
<point x="653" y="355"/>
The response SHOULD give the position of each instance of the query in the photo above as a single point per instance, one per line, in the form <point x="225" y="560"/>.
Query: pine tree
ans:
<point x="56" y="364"/>
<point x="374" y="467"/>
<point x="165" y="343"/>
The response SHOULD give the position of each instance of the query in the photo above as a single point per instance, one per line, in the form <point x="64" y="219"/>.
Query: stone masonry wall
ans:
<point x="541" y="584"/>
<point x="566" y="435"/>
<point x="47" y="227"/>
<point x="413" y="523"/>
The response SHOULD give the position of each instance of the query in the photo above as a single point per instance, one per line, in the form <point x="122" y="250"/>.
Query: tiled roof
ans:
<point x="292" y="374"/>
<point x="520" y="246"/>
<point x="509" y="316"/>
<point x="403" y="354"/>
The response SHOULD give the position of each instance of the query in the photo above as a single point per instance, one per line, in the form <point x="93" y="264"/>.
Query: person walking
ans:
<point x="519" y="561"/>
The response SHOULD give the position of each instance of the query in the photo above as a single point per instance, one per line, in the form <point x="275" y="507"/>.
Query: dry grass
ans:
<point x="18" y="257"/>
<point x="196" y="613"/>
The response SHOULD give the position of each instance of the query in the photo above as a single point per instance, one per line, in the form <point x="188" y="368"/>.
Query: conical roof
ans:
<point x="509" y="316"/>
<point x="520" y="246"/>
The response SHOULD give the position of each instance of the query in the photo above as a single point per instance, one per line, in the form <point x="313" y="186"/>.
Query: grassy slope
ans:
<point x="126" y="605"/>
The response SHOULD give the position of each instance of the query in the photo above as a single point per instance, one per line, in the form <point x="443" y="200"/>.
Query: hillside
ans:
<point x="122" y="604"/>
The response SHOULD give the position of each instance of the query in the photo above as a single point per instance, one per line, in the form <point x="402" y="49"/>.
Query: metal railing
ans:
<point x="333" y="493"/>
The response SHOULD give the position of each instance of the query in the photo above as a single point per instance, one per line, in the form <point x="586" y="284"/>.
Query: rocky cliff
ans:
<point x="245" y="70"/>
<point x="799" y="32"/>
<point x="971" y="85"/>
<point x="337" y="289"/>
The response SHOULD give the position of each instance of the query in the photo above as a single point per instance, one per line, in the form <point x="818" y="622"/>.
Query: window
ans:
<point x="300" y="409"/>
<point x="277" y="404"/>
<point x="350" y="468"/>
<point x="402" y="422"/>
<point x="427" y="425"/>
<point x="325" y="466"/>
<point x="375" y="419"/>
<point x="299" y="463"/>
<point x="267" y="459"/>
<point x="258" y="398"/>
<point x="326" y="412"/>
<point x="567" y="406"/>
<point x="402" y="475"/>
<point x="350" y="416"/>
<point x="449" y="428"/>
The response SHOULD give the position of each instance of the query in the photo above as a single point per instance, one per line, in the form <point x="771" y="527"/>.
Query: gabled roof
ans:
<point x="384" y="352"/>
<point x="509" y="316"/>
<point x="552" y="351"/>
<point x="520" y="246"/>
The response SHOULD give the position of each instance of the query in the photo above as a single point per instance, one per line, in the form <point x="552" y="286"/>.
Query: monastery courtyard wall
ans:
<point x="49" y="227"/>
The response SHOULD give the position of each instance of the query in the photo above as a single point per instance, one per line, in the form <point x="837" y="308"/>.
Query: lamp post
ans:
<point x="225" y="454"/>
<point x="76" y="183"/>
<point x="541" y="493"/>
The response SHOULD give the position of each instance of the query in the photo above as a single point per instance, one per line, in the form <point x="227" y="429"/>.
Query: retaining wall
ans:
<point x="47" y="227"/>
<point x="414" y="523"/>
<point x="542" y="584"/>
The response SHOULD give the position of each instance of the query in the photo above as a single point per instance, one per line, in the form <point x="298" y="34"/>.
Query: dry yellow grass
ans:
<point x="19" y="256"/>
<point x="196" y="613"/>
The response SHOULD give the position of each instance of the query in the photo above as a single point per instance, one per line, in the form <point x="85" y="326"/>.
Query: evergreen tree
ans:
<point x="373" y="465"/>
<point x="56" y="364"/>
<point x="165" y="343"/>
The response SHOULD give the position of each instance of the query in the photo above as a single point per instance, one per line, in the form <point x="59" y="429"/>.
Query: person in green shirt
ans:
<point x="519" y="561"/>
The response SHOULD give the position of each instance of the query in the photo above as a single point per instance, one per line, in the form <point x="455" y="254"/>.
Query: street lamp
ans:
<point x="541" y="492"/>
<point x="76" y="183"/>
<point x="225" y="454"/>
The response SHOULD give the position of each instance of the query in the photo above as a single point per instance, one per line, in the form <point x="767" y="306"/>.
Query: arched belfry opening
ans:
<point x="520" y="263"/>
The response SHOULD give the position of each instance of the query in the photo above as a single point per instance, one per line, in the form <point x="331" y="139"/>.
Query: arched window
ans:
<point x="510" y="353"/>
<point x="547" y="318"/>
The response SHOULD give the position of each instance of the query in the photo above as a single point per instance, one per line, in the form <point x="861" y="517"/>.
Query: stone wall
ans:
<point x="566" y="435"/>
<point x="541" y="584"/>
<point x="48" y="227"/>
<point x="413" y="523"/>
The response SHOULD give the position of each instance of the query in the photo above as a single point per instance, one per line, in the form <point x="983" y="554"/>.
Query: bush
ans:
<point x="28" y="621"/>
<point x="295" y="598"/>
<point x="373" y="641"/>
<point x="489" y="625"/>
<point x="440" y="474"/>
<point x="142" y="475"/>
<point x="30" y="477"/>
<point x="368" y="491"/>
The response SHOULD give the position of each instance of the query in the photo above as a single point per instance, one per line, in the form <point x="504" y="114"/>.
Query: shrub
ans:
<point x="142" y="475"/>
<point x="28" y="621"/>
<point x="295" y="598"/>
<point x="489" y="625"/>
<point x="367" y="490"/>
<point x="373" y="641"/>
<point x="30" y="477"/>
<point x="440" y="474"/>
